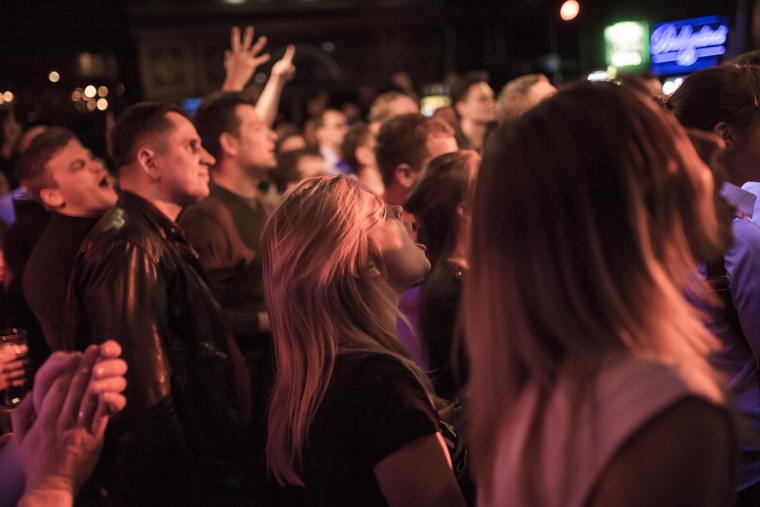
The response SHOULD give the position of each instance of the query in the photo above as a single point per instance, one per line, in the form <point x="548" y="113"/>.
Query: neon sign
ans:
<point x="626" y="44"/>
<point x="687" y="45"/>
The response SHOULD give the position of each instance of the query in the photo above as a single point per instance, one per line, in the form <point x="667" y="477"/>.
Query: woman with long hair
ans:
<point x="350" y="418"/>
<point x="589" y="378"/>
<point x="441" y="201"/>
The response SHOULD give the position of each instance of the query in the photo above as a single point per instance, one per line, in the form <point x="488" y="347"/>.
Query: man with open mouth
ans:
<point x="64" y="176"/>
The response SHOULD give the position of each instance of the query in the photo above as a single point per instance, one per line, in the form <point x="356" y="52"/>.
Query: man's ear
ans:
<point x="228" y="143"/>
<point x="52" y="198"/>
<point x="727" y="133"/>
<point x="147" y="160"/>
<point x="405" y="175"/>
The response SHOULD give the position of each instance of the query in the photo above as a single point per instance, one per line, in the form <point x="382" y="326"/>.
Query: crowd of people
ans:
<point x="539" y="297"/>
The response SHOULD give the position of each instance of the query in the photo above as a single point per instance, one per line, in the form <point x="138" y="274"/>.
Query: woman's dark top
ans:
<point x="439" y="307"/>
<point x="373" y="406"/>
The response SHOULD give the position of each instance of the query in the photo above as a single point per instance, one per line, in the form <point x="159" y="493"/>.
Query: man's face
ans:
<point x="84" y="188"/>
<point x="255" y="141"/>
<point x="333" y="130"/>
<point x="311" y="165"/>
<point x="181" y="163"/>
<point x="478" y="104"/>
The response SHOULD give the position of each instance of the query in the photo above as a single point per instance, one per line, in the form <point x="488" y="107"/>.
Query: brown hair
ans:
<point x="403" y="140"/>
<point x="32" y="165"/>
<point x="217" y="114"/>
<point x="728" y="93"/>
<point x="138" y="122"/>
<point x="583" y="205"/>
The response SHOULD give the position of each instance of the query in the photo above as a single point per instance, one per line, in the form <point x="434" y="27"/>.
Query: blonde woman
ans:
<point x="350" y="417"/>
<point x="589" y="383"/>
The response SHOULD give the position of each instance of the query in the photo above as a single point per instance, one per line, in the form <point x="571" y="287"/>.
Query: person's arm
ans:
<point x="242" y="59"/>
<point x="685" y="457"/>
<point x="419" y="474"/>
<point x="742" y="262"/>
<point x="269" y="100"/>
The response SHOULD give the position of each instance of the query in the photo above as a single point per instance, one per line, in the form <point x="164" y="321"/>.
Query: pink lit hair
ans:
<point x="588" y="212"/>
<point x="326" y="292"/>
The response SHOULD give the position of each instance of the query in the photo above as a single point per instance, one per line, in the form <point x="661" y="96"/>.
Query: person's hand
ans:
<point x="12" y="362"/>
<point x="74" y="397"/>
<point x="107" y="376"/>
<point x="284" y="70"/>
<point x="242" y="59"/>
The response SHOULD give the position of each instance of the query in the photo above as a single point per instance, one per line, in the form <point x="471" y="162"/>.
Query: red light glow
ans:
<point x="569" y="10"/>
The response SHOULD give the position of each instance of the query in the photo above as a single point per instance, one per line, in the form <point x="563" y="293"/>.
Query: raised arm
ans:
<point x="282" y="72"/>
<point x="242" y="59"/>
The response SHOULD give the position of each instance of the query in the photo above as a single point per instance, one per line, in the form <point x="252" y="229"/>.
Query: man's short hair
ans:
<point x="138" y="122"/>
<point x="216" y="115"/>
<point x="358" y="135"/>
<point x="513" y="99"/>
<point x="380" y="109"/>
<point x="403" y="140"/>
<point x="286" y="170"/>
<point x="32" y="165"/>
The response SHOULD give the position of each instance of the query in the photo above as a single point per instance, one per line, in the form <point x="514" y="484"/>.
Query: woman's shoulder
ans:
<point x="584" y="423"/>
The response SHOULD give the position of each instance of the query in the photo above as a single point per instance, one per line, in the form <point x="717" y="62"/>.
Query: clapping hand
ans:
<point x="59" y="429"/>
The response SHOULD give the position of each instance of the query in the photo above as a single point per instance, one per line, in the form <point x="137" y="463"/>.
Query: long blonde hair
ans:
<point x="327" y="294"/>
<point x="589" y="210"/>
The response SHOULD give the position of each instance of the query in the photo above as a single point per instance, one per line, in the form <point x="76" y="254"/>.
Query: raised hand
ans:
<point x="282" y="72"/>
<point x="284" y="68"/>
<point x="242" y="59"/>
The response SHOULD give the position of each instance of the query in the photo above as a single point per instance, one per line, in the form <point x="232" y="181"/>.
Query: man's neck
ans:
<point x="236" y="180"/>
<point x="168" y="208"/>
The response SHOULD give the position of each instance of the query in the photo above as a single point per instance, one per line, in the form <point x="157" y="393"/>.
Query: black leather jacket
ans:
<point x="137" y="281"/>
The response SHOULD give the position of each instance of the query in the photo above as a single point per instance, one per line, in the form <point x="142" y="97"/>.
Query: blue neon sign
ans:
<point x="680" y="47"/>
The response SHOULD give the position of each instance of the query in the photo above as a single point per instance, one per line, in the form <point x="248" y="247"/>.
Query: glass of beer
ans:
<point x="13" y="351"/>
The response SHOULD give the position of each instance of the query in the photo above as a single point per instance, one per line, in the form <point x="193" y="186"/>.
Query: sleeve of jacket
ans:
<point x="123" y="298"/>
<point x="121" y="295"/>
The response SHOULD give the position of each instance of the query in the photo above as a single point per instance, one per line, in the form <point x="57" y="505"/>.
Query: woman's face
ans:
<point x="404" y="260"/>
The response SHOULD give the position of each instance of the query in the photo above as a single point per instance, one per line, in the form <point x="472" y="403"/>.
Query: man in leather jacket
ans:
<point x="136" y="280"/>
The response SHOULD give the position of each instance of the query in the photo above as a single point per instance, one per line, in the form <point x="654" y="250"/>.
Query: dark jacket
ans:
<point x="137" y="281"/>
